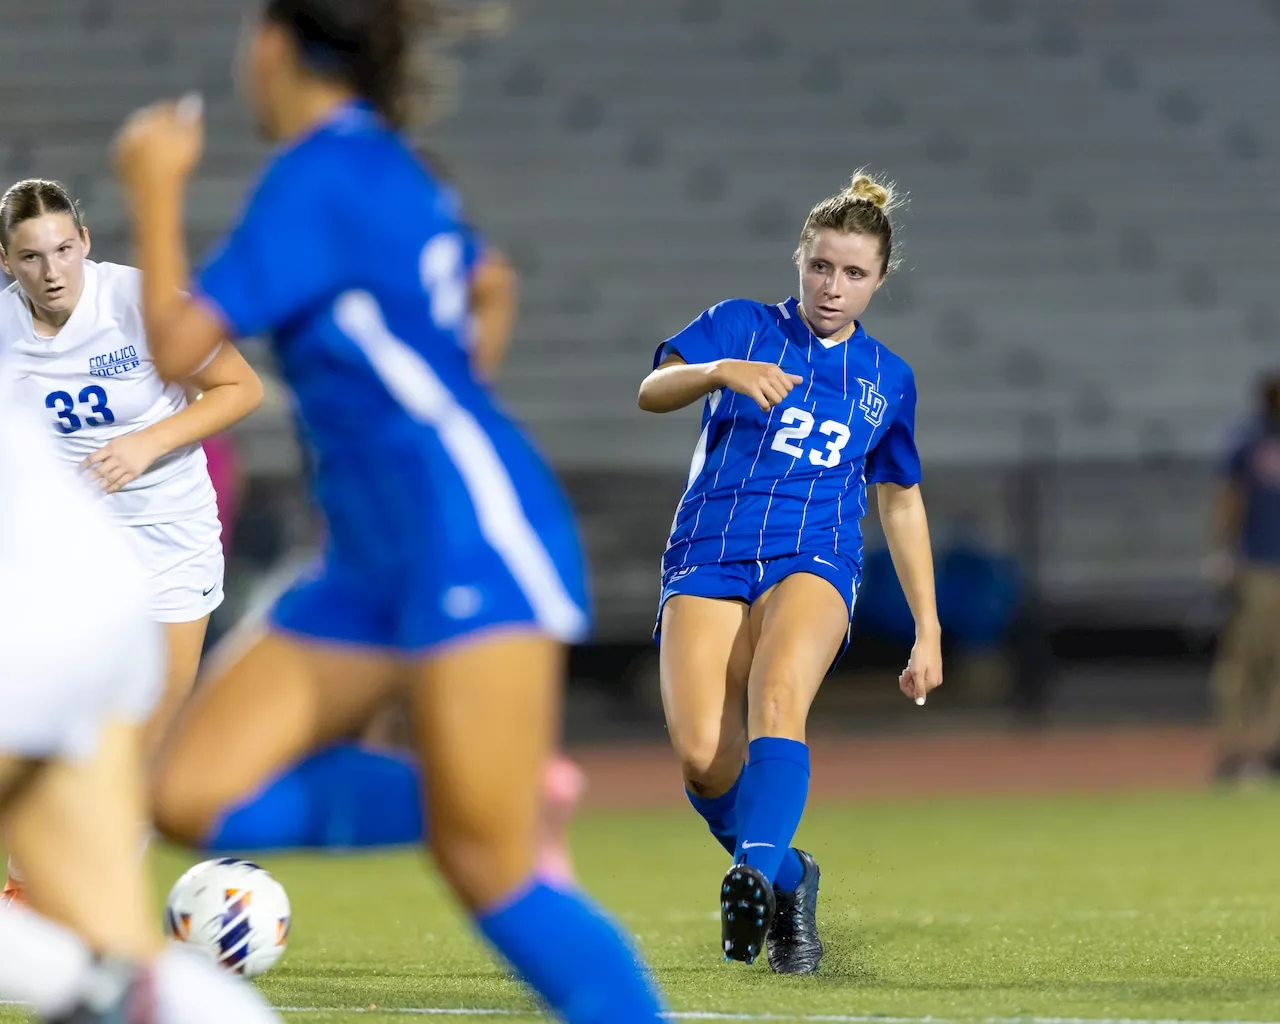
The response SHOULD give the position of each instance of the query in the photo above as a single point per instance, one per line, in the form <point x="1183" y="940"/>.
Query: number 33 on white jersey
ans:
<point x="95" y="381"/>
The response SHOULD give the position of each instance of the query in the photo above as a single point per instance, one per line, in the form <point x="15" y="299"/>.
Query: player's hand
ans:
<point x="121" y="461"/>
<point x="766" y="383"/>
<point x="924" y="670"/>
<point x="160" y="145"/>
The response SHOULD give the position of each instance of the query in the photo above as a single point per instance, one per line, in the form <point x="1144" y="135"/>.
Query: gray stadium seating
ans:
<point x="1086" y="252"/>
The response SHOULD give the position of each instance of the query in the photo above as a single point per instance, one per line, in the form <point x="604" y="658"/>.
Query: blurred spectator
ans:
<point x="1246" y="561"/>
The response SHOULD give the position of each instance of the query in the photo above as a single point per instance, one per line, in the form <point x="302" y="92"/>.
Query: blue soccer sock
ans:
<point x="789" y="873"/>
<point x="344" y="797"/>
<point x="573" y="956"/>
<point x="775" y="787"/>
<point x="720" y="813"/>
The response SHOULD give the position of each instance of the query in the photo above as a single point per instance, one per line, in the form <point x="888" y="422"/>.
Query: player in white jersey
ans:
<point x="80" y="670"/>
<point x="72" y="330"/>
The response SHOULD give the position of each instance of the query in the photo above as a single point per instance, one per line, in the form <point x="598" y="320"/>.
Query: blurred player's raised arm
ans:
<point x="495" y="290"/>
<point x="183" y="333"/>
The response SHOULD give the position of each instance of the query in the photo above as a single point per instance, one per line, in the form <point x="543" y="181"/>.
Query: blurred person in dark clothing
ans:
<point x="1246" y="561"/>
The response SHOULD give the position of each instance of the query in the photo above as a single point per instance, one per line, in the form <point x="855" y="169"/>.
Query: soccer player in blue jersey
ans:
<point x="803" y="409"/>
<point x="452" y="565"/>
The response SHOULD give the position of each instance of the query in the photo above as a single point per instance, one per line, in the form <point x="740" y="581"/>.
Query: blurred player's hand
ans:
<point x="160" y="145"/>
<point x="924" y="670"/>
<point x="122" y="461"/>
<point x="766" y="383"/>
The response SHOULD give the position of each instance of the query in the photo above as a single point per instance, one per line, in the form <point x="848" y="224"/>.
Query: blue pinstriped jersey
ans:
<point x="793" y="479"/>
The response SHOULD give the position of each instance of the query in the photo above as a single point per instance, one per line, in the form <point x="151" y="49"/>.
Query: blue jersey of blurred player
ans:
<point x="802" y="410"/>
<point x="452" y="565"/>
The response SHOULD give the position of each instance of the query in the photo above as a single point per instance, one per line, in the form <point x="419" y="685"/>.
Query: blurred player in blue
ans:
<point x="452" y="565"/>
<point x="803" y="410"/>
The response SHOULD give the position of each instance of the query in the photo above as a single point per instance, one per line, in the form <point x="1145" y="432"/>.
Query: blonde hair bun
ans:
<point x="866" y="189"/>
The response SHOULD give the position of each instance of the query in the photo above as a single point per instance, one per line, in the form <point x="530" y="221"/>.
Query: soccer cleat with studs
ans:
<point x="746" y="912"/>
<point x="793" y="943"/>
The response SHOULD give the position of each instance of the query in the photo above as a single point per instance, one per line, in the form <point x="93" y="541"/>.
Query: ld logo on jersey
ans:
<point x="873" y="403"/>
<point x="112" y="364"/>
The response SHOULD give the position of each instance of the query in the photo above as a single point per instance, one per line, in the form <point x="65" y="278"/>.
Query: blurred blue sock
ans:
<point x="344" y="797"/>
<point x="720" y="813"/>
<point x="574" y="956"/>
<point x="775" y="787"/>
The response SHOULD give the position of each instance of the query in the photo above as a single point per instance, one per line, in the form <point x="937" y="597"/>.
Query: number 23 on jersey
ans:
<point x="797" y="425"/>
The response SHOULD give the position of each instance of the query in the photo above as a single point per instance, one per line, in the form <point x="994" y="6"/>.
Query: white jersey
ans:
<point x="95" y="381"/>
<point x="77" y="646"/>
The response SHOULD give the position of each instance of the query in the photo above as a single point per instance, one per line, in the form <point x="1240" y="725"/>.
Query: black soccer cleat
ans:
<point x="793" y="943"/>
<point x="114" y="993"/>
<point x="746" y="911"/>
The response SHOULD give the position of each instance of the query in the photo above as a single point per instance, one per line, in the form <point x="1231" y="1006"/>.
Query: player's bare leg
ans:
<point x="78" y="825"/>
<point x="484" y="770"/>
<point x="562" y="787"/>
<point x="184" y="642"/>
<point x="274" y="703"/>
<point x="95" y="947"/>
<point x="486" y="713"/>
<point x="798" y="627"/>
<point x="704" y="663"/>
<point x="707" y="657"/>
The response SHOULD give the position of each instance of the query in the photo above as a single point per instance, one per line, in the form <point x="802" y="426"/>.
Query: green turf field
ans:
<point x="1146" y="908"/>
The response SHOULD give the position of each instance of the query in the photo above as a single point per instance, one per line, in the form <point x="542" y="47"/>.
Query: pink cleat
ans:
<point x="562" y="788"/>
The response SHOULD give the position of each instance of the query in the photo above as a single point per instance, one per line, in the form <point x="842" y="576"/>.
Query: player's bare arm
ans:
<point x="906" y="528"/>
<point x="224" y="392"/>
<point x="676" y="384"/>
<point x="155" y="153"/>
<point x="495" y="292"/>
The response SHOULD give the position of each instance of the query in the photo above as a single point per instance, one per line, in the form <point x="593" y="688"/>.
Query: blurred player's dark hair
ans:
<point x="365" y="44"/>
<point x="32" y="198"/>
<point x="863" y="208"/>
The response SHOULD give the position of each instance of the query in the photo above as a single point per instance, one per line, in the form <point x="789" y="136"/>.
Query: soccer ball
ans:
<point x="232" y="910"/>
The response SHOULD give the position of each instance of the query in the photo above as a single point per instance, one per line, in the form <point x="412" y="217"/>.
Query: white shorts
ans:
<point x="77" y="648"/>
<point x="184" y="566"/>
<point x="63" y="676"/>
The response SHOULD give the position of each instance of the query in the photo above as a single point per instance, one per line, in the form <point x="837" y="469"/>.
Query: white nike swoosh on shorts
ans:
<point x="751" y="846"/>
<point x="819" y="558"/>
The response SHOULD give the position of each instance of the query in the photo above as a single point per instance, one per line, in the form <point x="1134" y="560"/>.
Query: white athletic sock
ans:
<point x="191" y="989"/>
<point x="41" y="963"/>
